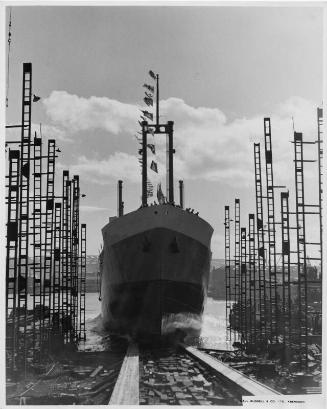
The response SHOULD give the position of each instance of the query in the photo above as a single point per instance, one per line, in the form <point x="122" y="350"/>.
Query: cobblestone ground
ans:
<point x="171" y="377"/>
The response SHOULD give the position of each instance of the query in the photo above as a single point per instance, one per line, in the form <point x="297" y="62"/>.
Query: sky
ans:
<point x="222" y="70"/>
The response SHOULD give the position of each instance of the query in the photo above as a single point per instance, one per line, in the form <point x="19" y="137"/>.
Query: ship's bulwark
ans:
<point x="155" y="282"/>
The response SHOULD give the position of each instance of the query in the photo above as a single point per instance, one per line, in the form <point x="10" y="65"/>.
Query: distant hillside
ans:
<point x="217" y="262"/>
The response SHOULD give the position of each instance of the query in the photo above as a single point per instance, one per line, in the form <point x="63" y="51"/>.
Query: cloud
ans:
<point x="76" y="113"/>
<point x="208" y="147"/>
<point x="120" y="165"/>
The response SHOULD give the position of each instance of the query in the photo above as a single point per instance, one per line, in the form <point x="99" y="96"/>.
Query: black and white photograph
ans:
<point x="163" y="203"/>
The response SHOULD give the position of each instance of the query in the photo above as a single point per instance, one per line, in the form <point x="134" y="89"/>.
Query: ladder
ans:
<point x="237" y="264"/>
<point x="56" y="293"/>
<point x="252" y="281"/>
<point x="37" y="240"/>
<point x="301" y="248"/>
<point x="286" y="270"/>
<point x="227" y="273"/>
<point x="75" y="254"/>
<point x="46" y="314"/>
<point x="271" y="231"/>
<point x="262" y="310"/>
<point x="244" y="328"/>
<point x="23" y="218"/>
<point x="11" y="260"/>
<point x="82" y="332"/>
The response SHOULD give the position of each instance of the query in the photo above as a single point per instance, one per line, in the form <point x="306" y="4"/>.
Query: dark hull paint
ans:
<point x="156" y="275"/>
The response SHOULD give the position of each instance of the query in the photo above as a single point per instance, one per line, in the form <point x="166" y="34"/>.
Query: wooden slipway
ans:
<point x="126" y="391"/>
<point x="127" y="388"/>
<point x="251" y="386"/>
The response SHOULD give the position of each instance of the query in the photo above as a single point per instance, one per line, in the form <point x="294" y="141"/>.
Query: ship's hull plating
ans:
<point x="155" y="272"/>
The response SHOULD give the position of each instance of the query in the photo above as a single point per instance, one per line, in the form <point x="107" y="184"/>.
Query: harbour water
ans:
<point x="212" y="333"/>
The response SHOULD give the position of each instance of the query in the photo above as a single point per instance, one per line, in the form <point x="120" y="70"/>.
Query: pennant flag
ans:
<point x="140" y="151"/>
<point x="149" y="188"/>
<point x="152" y="74"/>
<point x="149" y="87"/>
<point x="148" y="101"/>
<point x="36" y="98"/>
<point x="160" y="195"/>
<point x="148" y="95"/>
<point x="154" y="166"/>
<point x="148" y="115"/>
<point x="151" y="147"/>
<point x="142" y="117"/>
<point x="140" y="123"/>
<point x="151" y="131"/>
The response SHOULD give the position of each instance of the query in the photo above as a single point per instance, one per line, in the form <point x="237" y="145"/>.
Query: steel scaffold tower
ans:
<point x="244" y="329"/>
<point x="320" y="162"/>
<point x="69" y="258"/>
<point x="252" y="281"/>
<point x="271" y="231"/>
<point x="64" y="255"/>
<point x="23" y="218"/>
<point x="237" y="264"/>
<point x="227" y="272"/>
<point x="75" y="254"/>
<point x="301" y="249"/>
<point x="286" y="270"/>
<point x="11" y="261"/>
<point x="260" y="244"/>
<point x="37" y="241"/>
<point x="48" y="243"/>
<point x="82" y="333"/>
<point x="56" y="293"/>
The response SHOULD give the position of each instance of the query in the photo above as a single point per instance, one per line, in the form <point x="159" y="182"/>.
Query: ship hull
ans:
<point x="155" y="272"/>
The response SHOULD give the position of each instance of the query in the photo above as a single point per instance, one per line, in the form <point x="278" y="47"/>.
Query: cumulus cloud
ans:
<point x="208" y="147"/>
<point x="76" y="113"/>
<point x="117" y="166"/>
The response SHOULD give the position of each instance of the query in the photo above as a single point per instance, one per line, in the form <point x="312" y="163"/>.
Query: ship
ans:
<point x="155" y="261"/>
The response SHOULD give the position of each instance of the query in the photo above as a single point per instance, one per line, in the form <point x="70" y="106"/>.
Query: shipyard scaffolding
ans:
<point x="35" y="313"/>
<point x="274" y="309"/>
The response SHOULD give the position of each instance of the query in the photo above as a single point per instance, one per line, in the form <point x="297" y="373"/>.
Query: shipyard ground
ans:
<point x="118" y="372"/>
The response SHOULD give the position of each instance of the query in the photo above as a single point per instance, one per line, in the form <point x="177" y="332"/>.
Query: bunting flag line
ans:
<point x="148" y="101"/>
<point x="160" y="195"/>
<point x="154" y="166"/>
<point x="152" y="74"/>
<point x="149" y="87"/>
<point x="148" y="95"/>
<point x="148" y="115"/>
<point x="151" y="147"/>
<point x="142" y="117"/>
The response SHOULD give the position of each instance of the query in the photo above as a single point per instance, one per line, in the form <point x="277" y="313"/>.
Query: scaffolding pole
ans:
<point x="227" y="273"/>
<point x="237" y="265"/>
<point x="23" y="218"/>
<point x="64" y="254"/>
<point x="286" y="271"/>
<point x="82" y="332"/>
<point x="37" y="244"/>
<point x="301" y="250"/>
<point x="320" y="162"/>
<point x="46" y="311"/>
<point x="11" y="261"/>
<point x="244" y="323"/>
<point x="271" y="232"/>
<point x="262" y="310"/>
<point x="75" y="255"/>
<point x="56" y="293"/>
<point x="252" y="282"/>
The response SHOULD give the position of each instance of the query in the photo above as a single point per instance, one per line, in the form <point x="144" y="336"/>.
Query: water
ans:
<point x="212" y="335"/>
